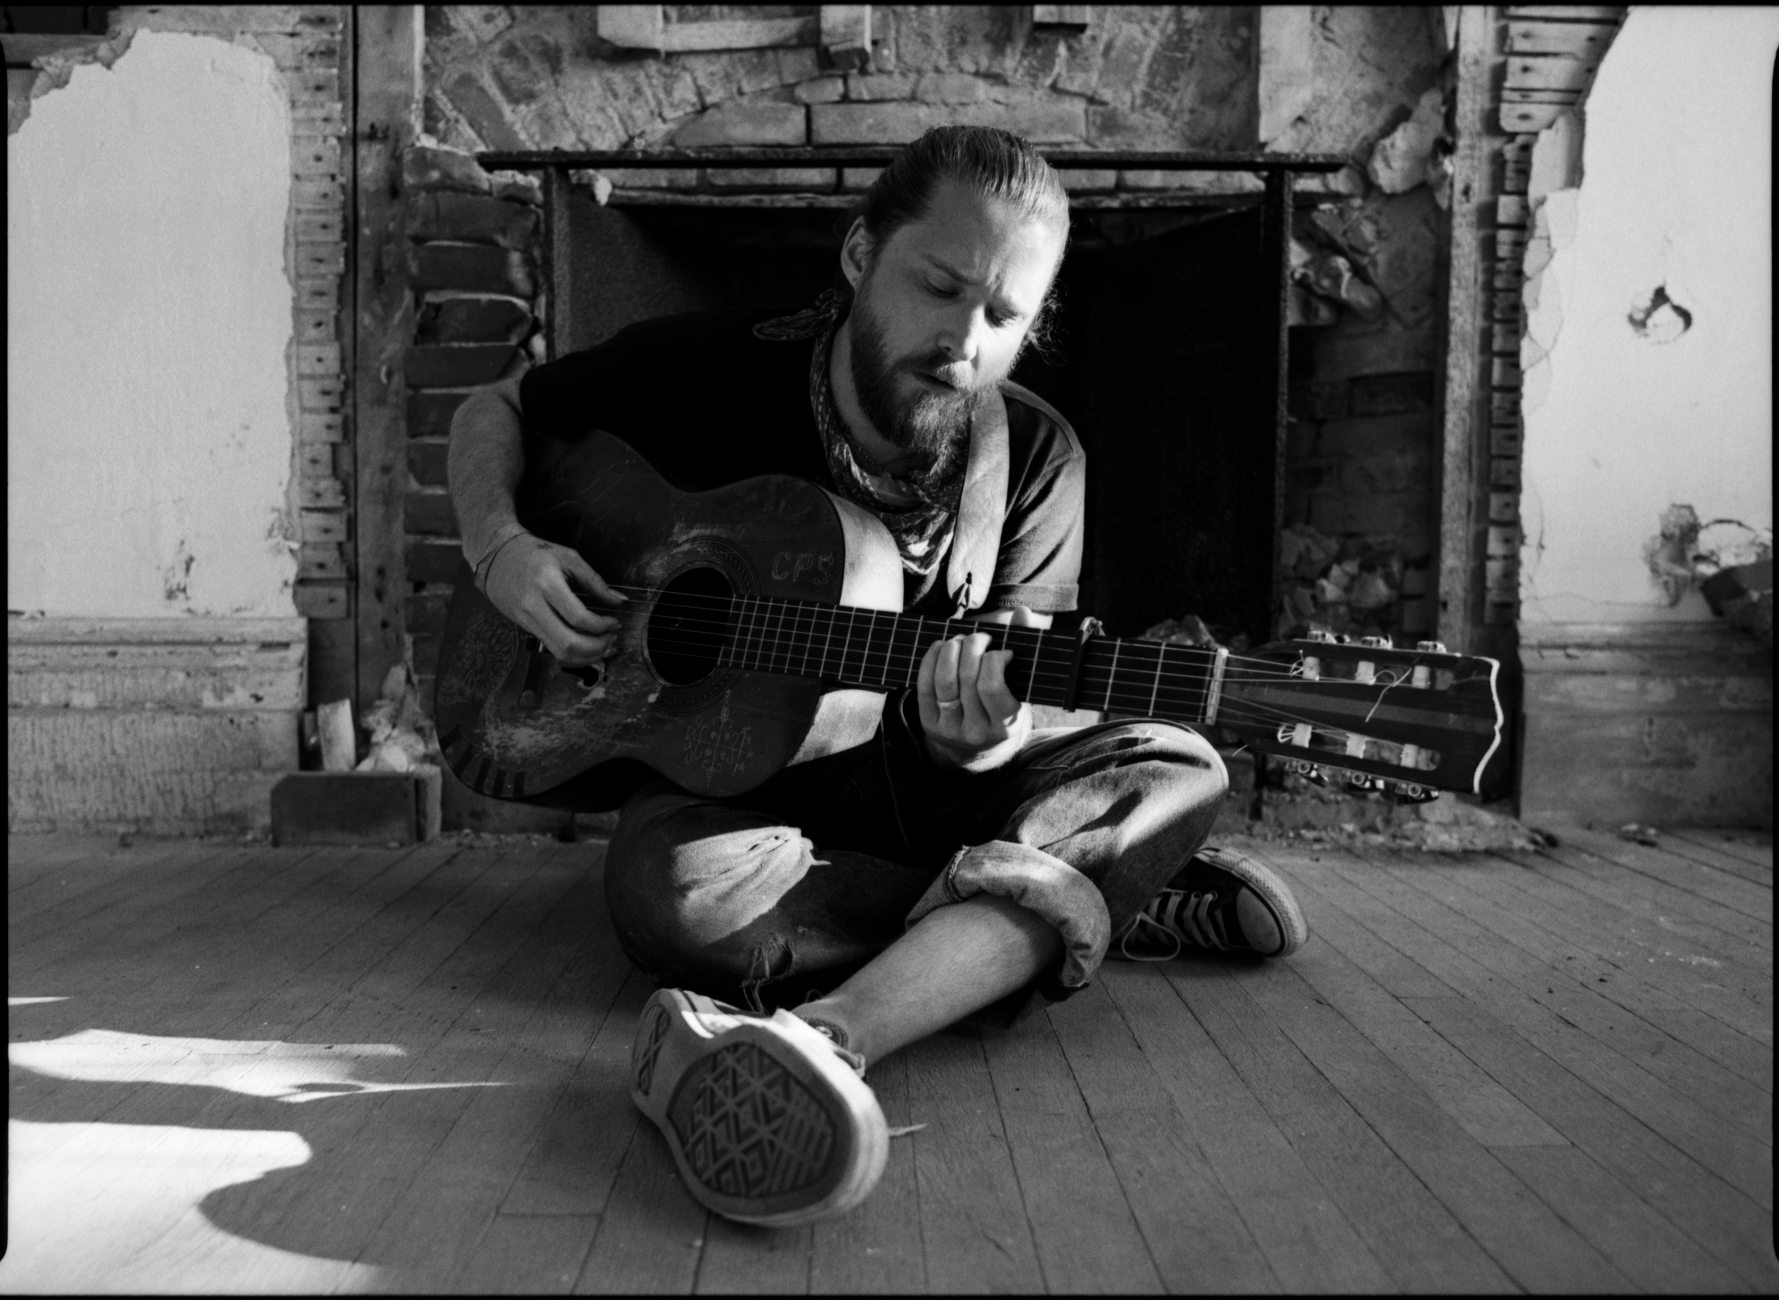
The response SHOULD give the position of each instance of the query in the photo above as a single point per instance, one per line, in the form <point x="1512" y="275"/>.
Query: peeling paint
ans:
<point x="1659" y="318"/>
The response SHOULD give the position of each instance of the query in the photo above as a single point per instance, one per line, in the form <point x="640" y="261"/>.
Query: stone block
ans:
<point x="1340" y="355"/>
<point x="471" y="218"/>
<point x="745" y="122"/>
<point x="472" y="320"/>
<point x="859" y="178"/>
<point x="518" y="187"/>
<point x="653" y="178"/>
<point x="350" y="808"/>
<point x="427" y="459"/>
<point x="429" y="414"/>
<point x="1043" y="121"/>
<point x="1391" y="394"/>
<point x="426" y="168"/>
<point x="950" y="88"/>
<point x="1085" y="180"/>
<point x="429" y="514"/>
<point x="864" y="87"/>
<point x="485" y="115"/>
<point x="1123" y="128"/>
<point x="433" y="561"/>
<point x="469" y="268"/>
<point x="1318" y="401"/>
<point x="819" y="180"/>
<point x="457" y="365"/>
<point x="823" y="90"/>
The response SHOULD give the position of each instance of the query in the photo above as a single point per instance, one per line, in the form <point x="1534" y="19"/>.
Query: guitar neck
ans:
<point x="881" y="650"/>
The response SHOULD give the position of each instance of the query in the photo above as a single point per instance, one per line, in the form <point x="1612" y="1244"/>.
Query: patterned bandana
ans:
<point x="922" y="531"/>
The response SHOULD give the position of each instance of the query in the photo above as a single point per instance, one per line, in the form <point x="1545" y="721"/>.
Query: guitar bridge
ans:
<point x="1214" y="689"/>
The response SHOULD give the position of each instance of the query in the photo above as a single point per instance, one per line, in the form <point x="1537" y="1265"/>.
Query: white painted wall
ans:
<point x="149" y="445"/>
<point x="1676" y="190"/>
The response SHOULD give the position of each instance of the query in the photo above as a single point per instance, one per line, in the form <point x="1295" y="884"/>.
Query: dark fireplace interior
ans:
<point x="1164" y="358"/>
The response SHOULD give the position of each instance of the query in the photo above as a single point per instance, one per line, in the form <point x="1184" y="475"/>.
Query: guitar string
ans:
<point x="1267" y="669"/>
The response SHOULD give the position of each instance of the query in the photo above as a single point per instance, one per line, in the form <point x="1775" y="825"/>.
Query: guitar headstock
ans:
<point x="1410" y="721"/>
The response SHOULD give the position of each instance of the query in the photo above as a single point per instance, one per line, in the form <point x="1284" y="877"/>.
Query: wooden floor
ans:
<point x="252" y="1069"/>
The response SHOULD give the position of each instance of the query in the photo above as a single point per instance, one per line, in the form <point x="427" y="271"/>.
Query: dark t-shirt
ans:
<point x="708" y="403"/>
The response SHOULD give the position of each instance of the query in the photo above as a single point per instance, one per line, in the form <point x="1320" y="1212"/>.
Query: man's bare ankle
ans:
<point x="828" y="1017"/>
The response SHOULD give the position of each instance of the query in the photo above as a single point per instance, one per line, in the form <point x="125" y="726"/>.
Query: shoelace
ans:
<point x="1184" y="918"/>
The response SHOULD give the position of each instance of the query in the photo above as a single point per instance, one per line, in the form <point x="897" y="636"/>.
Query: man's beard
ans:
<point x="934" y="426"/>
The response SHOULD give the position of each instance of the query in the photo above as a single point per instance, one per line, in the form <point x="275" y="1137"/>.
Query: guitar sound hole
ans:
<point x="689" y="626"/>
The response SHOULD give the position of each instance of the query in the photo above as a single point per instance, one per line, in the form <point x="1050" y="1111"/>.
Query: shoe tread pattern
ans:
<point x="747" y="1127"/>
<point x="649" y="1050"/>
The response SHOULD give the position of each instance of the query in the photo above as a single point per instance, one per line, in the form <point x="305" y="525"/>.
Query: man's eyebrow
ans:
<point x="946" y="268"/>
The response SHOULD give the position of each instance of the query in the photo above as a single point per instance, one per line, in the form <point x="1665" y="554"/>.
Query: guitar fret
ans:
<point x="1160" y="659"/>
<point x="1111" y="676"/>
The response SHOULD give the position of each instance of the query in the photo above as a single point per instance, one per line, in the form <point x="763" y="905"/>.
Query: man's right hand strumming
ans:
<point x="541" y="586"/>
<point x="531" y="581"/>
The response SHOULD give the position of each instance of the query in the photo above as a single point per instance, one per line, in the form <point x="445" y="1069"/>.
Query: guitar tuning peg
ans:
<point x="1431" y="647"/>
<point x="1410" y="792"/>
<point x="1376" y="642"/>
<point x="1317" y="634"/>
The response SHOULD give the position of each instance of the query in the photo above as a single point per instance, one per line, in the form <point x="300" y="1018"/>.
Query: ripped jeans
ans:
<point x="1083" y="826"/>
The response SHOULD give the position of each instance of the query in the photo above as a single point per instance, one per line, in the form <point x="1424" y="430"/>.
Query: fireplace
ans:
<point x="1168" y="356"/>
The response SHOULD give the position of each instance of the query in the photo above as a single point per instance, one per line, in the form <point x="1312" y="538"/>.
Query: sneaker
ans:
<point x="1222" y="900"/>
<point x="767" y="1122"/>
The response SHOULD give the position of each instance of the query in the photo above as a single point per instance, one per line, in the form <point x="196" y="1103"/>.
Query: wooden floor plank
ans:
<point x="1728" y="1226"/>
<point x="1604" y="1000"/>
<point x="1719" y="887"/>
<point x="740" y="1259"/>
<point x="1496" y="976"/>
<point x="1167" y="1180"/>
<point x="1306" y="1239"/>
<point x="1729" y="993"/>
<point x="1415" y="1237"/>
<point x="1700" y="848"/>
<point x="1644" y="1245"/>
<point x="1482" y="1107"/>
<point x="1753" y="847"/>
<point x="527" y="1254"/>
<point x="1525" y="1238"/>
<point x="1086" y="1235"/>
<point x="973" y="1227"/>
<point x="876" y="1249"/>
<point x="32" y="887"/>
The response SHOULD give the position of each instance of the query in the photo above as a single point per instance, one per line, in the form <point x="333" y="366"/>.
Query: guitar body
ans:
<point x="515" y="724"/>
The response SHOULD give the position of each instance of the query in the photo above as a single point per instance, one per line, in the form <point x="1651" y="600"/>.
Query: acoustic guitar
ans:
<point x="763" y="629"/>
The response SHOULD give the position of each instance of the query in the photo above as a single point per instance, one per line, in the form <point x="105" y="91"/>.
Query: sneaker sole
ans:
<point x="767" y="1126"/>
<point x="1272" y="891"/>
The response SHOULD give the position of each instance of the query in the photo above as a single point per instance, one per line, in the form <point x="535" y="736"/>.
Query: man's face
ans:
<point x="940" y="312"/>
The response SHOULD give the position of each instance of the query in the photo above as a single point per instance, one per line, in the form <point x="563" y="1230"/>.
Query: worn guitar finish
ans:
<point x="762" y="631"/>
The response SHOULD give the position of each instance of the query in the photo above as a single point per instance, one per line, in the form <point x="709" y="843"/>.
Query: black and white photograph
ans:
<point x="866" y="649"/>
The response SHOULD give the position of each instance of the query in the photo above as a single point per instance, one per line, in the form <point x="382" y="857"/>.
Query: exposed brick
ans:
<point x="1122" y="128"/>
<point x="823" y="90"/>
<point x="1389" y="394"/>
<point x="427" y="461"/>
<point x="313" y="87"/>
<point x="426" y="614"/>
<point x="457" y="365"/>
<point x="315" y="326"/>
<point x="472" y="320"/>
<point x="861" y="86"/>
<point x="320" y="426"/>
<point x="950" y="88"/>
<point x="1377" y="435"/>
<point x="318" y="359"/>
<point x="1313" y="401"/>
<point x="430" y="514"/>
<point x="519" y="187"/>
<point x="322" y="195"/>
<point x="653" y="178"/>
<point x="318" y="227"/>
<point x="320" y="393"/>
<point x="471" y="268"/>
<point x="434" y="561"/>
<point x="1041" y="121"/>
<point x="1341" y="355"/>
<point x="858" y="178"/>
<point x="1080" y="179"/>
<point x="316" y="51"/>
<point x="318" y="293"/>
<point x="314" y="156"/>
<point x="745" y="122"/>
<point x="806" y="179"/>
<point x="472" y="218"/>
<point x="484" y="113"/>
<point x="429" y="414"/>
<point x="320" y="260"/>
<point x="443" y="169"/>
<point x="318" y="119"/>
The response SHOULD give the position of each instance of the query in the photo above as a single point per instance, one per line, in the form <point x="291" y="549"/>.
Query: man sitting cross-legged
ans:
<point x="956" y="863"/>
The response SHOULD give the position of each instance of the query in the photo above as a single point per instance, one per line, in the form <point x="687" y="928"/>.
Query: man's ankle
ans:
<point x="827" y="1018"/>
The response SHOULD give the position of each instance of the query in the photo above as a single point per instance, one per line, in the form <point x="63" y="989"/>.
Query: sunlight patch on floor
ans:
<point x="115" y="1208"/>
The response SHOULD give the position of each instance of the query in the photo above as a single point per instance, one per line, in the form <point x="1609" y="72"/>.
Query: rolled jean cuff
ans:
<point x="1048" y="886"/>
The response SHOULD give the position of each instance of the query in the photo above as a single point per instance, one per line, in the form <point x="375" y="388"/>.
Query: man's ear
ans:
<point x="855" y="252"/>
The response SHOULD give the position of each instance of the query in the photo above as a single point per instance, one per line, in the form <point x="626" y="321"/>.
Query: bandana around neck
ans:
<point x="923" y="530"/>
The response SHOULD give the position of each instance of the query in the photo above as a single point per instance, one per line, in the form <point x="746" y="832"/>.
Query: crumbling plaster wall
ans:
<point x="149" y="446"/>
<point x="1631" y="411"/>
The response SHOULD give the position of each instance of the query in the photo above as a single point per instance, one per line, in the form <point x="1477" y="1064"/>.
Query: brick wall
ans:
<point x="474" y="249"/>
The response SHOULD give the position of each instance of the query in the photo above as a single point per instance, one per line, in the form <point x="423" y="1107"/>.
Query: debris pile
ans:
<point x="1347" y="587"/>
<point x="400" y="735"/>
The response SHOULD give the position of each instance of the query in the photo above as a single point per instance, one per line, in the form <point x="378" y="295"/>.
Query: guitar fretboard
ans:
<point x="880" y="650"/>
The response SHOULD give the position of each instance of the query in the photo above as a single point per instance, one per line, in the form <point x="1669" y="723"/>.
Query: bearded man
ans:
<point x="959" y="864"/>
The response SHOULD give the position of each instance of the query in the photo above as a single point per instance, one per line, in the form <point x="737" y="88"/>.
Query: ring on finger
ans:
<point x="951" y="704"/>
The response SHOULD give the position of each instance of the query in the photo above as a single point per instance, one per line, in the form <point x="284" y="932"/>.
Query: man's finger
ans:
<point x="969" y="668"/>
<point x="553" y="583"/>
<point x="923" y="688"/>
<point x="577" y="568"/>
<point x="998" y="700"/>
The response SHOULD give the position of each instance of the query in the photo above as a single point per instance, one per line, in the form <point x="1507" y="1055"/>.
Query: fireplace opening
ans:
<point x="1165" y="357"/>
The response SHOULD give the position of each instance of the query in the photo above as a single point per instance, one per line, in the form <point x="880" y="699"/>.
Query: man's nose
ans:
<point x="962" y="337"/>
